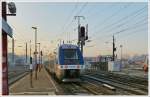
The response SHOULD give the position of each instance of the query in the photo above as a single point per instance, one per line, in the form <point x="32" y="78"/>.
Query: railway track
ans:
<point x="133" y="79"/>
<point x="118" y="85"/>
<point x="122" y="77"/>
<point x="95" y="88"/>
<point x="75" y="89"/>
<point x="71" y="88"/>
<point x="137" y="82"/>
<point x="132" y="83"/>
<point x="104" y="89"/>
<point x="82" y="88"/>
<point x="95" y="84"/>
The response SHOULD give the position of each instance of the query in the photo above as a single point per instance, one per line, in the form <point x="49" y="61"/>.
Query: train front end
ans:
<point x="71" y="62"/>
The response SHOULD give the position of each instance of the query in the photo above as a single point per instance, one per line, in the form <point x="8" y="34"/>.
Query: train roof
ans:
<point x="68" y="46"/>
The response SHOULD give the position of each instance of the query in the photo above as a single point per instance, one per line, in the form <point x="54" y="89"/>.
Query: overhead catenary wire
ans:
<point x="66" y="27"/>
<point x="131" y="28"/>
<point x="134" y="27"/>
<point x="125" y="22"/>
<point x="78" y="12"/>
<point x="100" y="11"/>
<point x="66" y="22"/>
<point x="122" y="19"/>
<point x="130" y="34"/>
<point x="127" y="34"/>
<point x="111" y="16"/>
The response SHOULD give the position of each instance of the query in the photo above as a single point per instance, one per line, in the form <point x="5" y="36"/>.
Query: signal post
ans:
<point x="6" y="30"/>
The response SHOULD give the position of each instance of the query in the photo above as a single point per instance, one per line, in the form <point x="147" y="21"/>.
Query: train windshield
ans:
<point x="71" y="56"/>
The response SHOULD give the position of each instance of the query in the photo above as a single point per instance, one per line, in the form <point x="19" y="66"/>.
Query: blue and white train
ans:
<point x="68" y="63"/>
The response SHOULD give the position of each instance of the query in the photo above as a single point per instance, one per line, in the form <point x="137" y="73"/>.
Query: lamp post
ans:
<point x="35" y="53"/>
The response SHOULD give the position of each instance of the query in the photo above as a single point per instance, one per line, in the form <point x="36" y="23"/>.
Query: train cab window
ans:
<point x="71" y="56"/>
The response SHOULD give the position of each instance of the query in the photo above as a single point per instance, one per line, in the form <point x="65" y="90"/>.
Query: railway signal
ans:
<point x="79" y="17"/>
<point x="83" y="36"/>
<point x="82" y="33"/>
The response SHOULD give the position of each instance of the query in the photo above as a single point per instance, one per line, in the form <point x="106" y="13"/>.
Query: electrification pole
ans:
<point x="114" y="49"/>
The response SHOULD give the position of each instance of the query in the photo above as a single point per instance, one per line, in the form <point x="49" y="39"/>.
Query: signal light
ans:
<point x="82" y="31"/>
<point x="115" y="49"/>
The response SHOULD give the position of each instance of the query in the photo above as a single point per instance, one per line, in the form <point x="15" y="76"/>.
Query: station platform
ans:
<point x="42" y="86"/>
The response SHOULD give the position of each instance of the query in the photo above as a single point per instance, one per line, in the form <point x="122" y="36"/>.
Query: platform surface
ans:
<point x="42" y="86"/>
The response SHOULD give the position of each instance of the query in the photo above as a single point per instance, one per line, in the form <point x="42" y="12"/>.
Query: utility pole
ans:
<point x="13" y="45"/>
<point x="35" y="53"/>
<point x="114" y="49"/>
<point x="26" y="52"/>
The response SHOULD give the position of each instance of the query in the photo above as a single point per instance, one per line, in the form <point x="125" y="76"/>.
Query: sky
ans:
<point x="55" y="22"/>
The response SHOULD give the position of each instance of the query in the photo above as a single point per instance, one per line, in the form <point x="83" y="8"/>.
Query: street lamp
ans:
<point x="35" y="28"/>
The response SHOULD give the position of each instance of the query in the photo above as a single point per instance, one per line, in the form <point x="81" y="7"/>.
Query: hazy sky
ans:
<point x="56" y="21"/>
